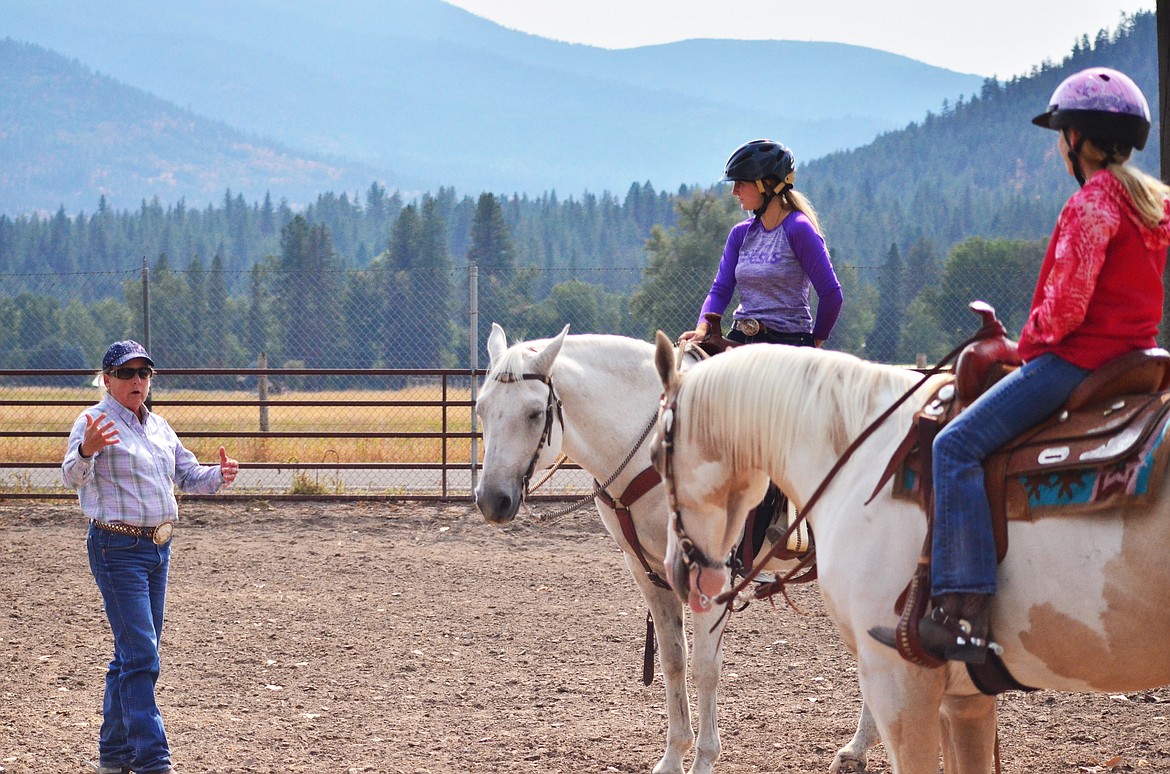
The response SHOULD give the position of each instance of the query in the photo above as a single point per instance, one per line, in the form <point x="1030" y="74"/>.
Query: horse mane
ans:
<point x="783" y="390"/>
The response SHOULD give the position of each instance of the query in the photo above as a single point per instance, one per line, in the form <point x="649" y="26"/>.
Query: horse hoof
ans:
<point x="847" y="765"/>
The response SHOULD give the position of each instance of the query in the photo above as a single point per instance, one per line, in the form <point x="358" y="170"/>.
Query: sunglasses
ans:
<point x="125" y="374"/>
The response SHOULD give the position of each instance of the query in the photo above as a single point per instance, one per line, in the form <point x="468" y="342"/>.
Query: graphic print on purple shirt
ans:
<point x="773" y="271"/>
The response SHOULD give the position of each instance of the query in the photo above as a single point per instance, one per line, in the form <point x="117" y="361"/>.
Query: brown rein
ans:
<point x="987" y="330"/>
<point x="806" y="565"/>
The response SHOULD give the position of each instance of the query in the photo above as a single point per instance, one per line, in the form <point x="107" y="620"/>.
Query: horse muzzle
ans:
<point x="497" y="506"/>
<point x="696" y="583"/>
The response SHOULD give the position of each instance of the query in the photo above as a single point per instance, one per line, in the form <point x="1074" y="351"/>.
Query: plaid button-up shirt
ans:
<point x="134" y="480"/>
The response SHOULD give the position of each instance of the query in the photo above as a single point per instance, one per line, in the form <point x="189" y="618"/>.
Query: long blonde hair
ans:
<point x="798" y="201"/>
<point x="1148" y="193"/>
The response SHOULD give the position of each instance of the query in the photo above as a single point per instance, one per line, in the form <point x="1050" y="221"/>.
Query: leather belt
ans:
<point x="748" y="327"/>
<point x="159" y="535"/>
<point x="751" y="328"/>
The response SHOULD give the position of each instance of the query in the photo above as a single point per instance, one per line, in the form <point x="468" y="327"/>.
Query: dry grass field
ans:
<point x="322" y="421"/>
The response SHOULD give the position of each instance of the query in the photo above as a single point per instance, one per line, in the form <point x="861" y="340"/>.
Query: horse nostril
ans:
<point x="497" y="507"/>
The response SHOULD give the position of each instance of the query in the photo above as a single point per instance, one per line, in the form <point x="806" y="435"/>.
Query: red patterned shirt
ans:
<point x="1099" y="294"/>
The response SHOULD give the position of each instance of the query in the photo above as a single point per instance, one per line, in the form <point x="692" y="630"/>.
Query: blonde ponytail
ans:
<point x="798" y="201"/>
<point x="1147" y="193"/>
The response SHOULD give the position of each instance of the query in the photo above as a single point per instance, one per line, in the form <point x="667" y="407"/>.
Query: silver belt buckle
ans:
<point x="163" y="532"/>
<point x="748" y="326"/>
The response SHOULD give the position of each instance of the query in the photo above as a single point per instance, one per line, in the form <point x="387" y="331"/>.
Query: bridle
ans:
<point x="552" y="407"/>
<point x="692" y="555"/>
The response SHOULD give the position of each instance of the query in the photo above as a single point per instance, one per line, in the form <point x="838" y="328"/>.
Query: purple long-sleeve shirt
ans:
<point x="773" y="271"/>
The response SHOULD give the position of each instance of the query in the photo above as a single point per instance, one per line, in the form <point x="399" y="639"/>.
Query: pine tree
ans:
<point x="492" y="253"/>
<point x="681" y="264"/>
<point x="431" y="283"/>
<point x="882" y="343"/>
<point x="256" y="338"/>
<point x="293" y="289"/>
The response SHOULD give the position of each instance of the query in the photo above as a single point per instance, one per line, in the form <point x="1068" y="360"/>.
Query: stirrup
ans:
<point x="951" y="638"/>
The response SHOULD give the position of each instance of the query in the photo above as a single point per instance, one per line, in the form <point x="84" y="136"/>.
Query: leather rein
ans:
<point x="642" y="484"/>
<point x="693" y="556"/>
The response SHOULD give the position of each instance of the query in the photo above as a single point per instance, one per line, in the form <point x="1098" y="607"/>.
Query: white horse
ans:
<point x="1081" y="600"/>
<point x="594" y="398"/>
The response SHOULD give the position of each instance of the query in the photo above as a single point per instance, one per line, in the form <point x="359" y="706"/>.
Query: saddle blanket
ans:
<point x="1130" y="477"/>
<point x="1096" y="458"/>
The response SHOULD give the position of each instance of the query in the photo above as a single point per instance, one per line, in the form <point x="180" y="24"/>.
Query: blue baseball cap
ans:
<point x="121" y="352"/>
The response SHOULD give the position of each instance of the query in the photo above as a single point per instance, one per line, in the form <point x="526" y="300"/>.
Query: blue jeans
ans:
<point x="131" y="574"/>
<point x="963" y="548"/>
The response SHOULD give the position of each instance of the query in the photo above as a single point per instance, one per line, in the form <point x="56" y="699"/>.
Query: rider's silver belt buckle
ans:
<point x="163" y="532"/>
<point x="159" y="535"/>
<point x="748" y="326"/>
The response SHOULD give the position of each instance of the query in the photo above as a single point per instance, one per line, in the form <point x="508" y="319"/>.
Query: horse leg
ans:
<point x="853" y="756"/>
<point x="666" y="609"/>
<point x="906" y="704"/>
<point x="969" y="725"/>
<point x="706" y="665"/>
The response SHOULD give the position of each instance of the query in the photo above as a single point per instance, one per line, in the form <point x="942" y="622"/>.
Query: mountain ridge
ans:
<point x="426" y="94"/>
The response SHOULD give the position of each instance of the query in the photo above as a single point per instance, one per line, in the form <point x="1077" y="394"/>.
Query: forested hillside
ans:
<point x="432" y="95"/>
<point x="920" y="222"/>
<point x="977" y="167"/>
<point x="68" y="134"/>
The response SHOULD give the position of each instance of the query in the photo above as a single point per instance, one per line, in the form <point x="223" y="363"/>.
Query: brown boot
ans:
<point x="956" y="629"/>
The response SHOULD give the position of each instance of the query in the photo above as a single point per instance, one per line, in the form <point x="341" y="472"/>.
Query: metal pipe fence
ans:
<point x="398" y="422"/>
<point x="416" y="441"/>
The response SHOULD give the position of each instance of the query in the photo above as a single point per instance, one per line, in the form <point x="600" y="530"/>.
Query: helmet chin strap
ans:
<point x="1074" y="156"/>
<point x="769" y="194"/>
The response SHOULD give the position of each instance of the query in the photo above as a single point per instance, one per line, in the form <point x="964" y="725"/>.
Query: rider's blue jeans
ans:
<point x="131" y="574"/>
<point x="963" y="549"/>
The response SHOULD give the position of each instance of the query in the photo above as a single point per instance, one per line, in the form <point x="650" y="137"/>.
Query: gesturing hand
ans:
<point x="99" y="433"/>
<point x="228" y="468"/>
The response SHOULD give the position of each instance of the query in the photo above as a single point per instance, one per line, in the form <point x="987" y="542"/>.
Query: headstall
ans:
<point x="692" y="555"/>
<point x="552" y="406"/>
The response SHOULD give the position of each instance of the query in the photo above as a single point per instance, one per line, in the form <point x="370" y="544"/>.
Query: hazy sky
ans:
<point x="987" y="37"/>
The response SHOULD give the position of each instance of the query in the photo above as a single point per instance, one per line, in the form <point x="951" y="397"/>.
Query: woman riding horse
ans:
<point x="1099" y="296"/>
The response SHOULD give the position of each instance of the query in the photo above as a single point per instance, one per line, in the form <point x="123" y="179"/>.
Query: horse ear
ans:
<point x="497" y="343"/>
<point x="544" y="359"/>
<point x="664" y="360"/>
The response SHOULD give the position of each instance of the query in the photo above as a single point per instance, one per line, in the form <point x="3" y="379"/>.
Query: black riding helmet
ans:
<point x="759" y="161"/>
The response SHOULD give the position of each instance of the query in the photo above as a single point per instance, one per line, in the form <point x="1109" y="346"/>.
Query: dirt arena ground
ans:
<point x="415" y="638"/>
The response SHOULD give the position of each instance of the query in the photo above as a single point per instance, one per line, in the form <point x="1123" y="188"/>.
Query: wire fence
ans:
<point x="360" y="382"/>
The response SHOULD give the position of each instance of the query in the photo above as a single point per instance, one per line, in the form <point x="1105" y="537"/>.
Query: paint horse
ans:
<point x="595" y="398"/>
<point x="1081" y="595"/>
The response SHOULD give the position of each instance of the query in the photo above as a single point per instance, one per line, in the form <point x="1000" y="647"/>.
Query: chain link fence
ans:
<point x="360" y="382"/>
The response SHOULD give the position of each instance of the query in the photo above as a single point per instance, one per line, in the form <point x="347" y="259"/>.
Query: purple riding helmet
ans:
<point x="1103" y="104"/>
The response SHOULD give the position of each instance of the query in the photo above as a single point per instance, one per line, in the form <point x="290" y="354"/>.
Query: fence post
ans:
<point x="146" y="325"/>
<point x="473" y="285"/>
<point x="262" y="391"/>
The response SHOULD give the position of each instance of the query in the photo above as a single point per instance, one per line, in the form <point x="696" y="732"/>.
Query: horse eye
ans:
<point x="535" y="415"/>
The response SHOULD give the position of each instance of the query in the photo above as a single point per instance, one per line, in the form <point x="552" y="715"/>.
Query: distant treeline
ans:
<point x="590" y="231"/>
<point x="380" y="284"/>
<point x="410" y="306"/>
